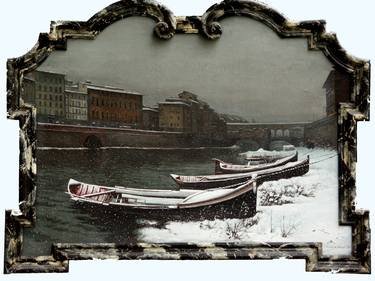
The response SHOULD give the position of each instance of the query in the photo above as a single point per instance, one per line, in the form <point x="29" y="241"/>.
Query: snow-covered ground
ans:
<point x="300" y="209"/>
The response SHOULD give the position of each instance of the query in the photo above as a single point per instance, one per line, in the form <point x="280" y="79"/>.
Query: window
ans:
<point x="61" y="98"/>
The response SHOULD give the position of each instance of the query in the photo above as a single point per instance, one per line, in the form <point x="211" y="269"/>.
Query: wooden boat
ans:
<point x="222" y="167"/>
<point x="213" y="203"/>
<point x="291" y="169"/>
<point x="262" y="156"/>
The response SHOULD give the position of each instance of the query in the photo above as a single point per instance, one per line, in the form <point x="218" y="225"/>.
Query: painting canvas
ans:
<point x="143" y="136"/>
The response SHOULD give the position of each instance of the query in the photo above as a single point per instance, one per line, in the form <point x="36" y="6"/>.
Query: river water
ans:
<point x="59" y="220"/>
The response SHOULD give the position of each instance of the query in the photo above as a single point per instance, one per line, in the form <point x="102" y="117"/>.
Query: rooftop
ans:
<point x="174" y="103"/>
<point x="112" y="90"/>
<point x="48" y="72"/>
<point x="75" y="92"/>
<point x="29" y="78"/>
<point x="150" y="109"/>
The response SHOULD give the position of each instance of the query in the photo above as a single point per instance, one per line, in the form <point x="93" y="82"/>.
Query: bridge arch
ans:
<point x="92" y="141"/>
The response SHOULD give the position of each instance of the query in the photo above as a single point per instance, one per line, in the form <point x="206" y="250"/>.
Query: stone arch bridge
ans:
<point x="262" y="134"/>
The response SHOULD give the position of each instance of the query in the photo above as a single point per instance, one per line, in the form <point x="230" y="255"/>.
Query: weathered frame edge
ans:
<point x="208" y="26"/>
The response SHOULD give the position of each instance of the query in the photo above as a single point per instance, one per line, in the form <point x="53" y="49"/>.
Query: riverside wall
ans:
<point x="62" y="135"/>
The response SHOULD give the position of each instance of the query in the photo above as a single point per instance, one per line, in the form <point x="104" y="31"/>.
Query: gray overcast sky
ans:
<point x="249" y="71"/>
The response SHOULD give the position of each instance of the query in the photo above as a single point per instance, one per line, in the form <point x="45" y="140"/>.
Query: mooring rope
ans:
<point x="324" y="159"/>
<point x="309" y="153"/>
<point x="287" y="169"/>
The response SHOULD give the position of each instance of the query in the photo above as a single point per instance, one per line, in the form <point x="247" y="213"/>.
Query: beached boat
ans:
<point x="262" y="156"/>
<point x="291" y="169"/>
<point x="222" y="167"/>
<point x="236" y="202"/>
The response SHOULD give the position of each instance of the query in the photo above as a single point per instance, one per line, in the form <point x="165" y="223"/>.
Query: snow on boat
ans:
<point x="222" y="167"/>
<point x="213" y="203"/>
<point x="262" y="156"/>
<point x="288" y="170"/>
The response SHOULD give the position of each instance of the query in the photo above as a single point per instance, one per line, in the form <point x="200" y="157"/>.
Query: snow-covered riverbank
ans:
<point x="301" y="209"/>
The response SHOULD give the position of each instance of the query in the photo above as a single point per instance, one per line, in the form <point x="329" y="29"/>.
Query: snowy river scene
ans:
<point x="298" y="209"/>
<point x="120" y="160"/>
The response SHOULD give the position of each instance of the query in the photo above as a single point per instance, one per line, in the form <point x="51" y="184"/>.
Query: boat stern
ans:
<point x="176" y="178"/>
<point x="218" y="163"/>
<point x="73" y="187"/>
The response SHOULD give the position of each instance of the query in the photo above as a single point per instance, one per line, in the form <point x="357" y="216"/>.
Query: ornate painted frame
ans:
<point x="208" y="26"/>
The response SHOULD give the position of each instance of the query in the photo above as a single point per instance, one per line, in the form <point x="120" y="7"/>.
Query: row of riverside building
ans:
<point x="60" y="101"/>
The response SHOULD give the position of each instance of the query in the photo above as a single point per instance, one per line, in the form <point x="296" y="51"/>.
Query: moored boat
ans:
<point x="222" y="167"/>
<point x="291" y="169"/>
<point x="236" y="202"/>
<point x="262" y="156"/>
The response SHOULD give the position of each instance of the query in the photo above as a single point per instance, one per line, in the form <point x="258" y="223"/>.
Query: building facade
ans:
<point x="175" y="116"/>
<point x="115" y="106"/>
<point x="75" y="105"/>
<point x="28" y="93"/>
<point x="186" y="113"/>
<point x="207" y="125"/>
<point x="49" y="94"/>
<point x="337" y="88"/>
<point x="150" y="118"/>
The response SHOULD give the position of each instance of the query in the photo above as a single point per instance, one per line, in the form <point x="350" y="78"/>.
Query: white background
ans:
<point x="21" y="22"/>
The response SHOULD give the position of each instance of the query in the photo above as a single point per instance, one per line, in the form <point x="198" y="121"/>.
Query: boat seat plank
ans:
<point x="150" y="200"/>
<point x="207" y="195"/>
<point x="156" y="193"/>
